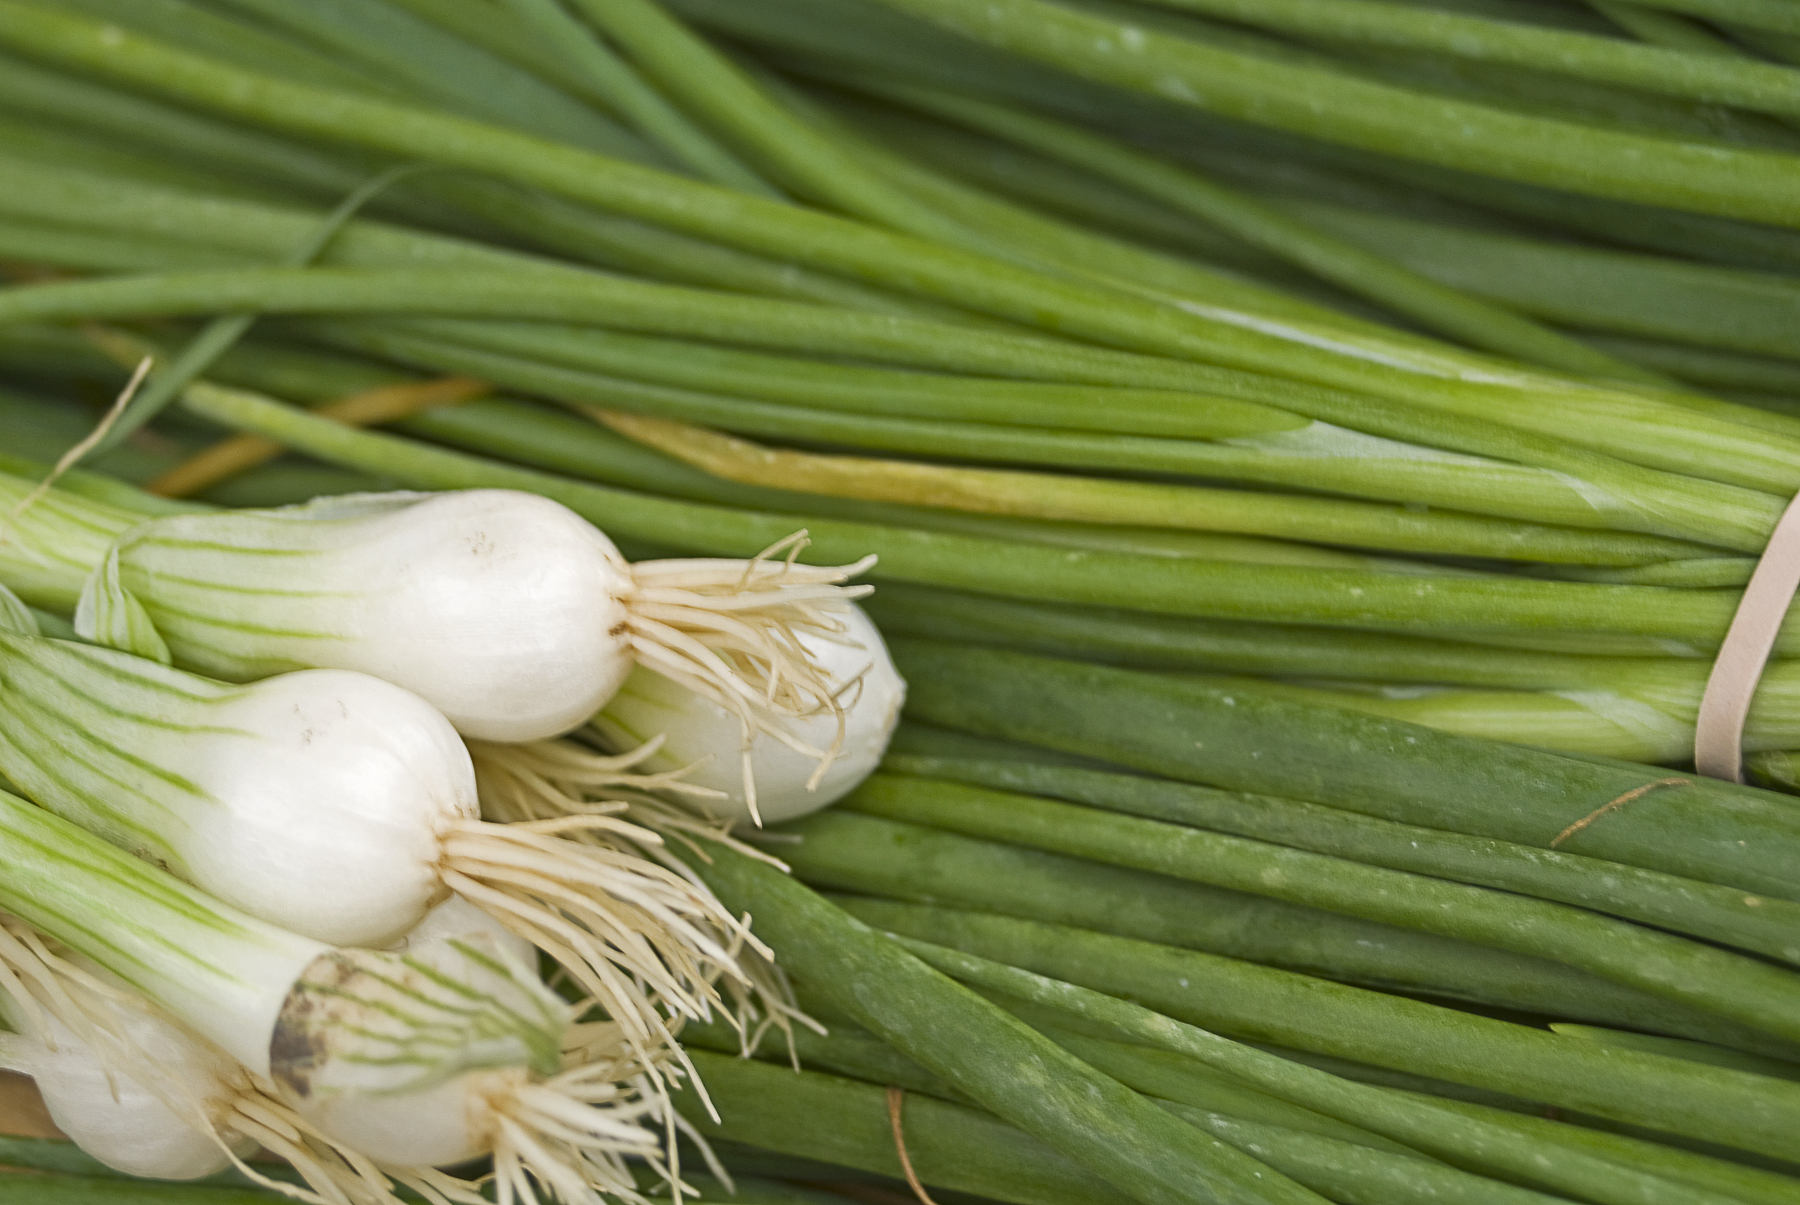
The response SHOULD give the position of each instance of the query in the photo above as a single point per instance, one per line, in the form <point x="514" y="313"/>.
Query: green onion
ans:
<point x="1001" y="1064"/>
<point x="1720" y="914"/>
<point x="1735" y="1109"/>
<point x="1742" y="989"/>
<point x="1238" y="738"/>
<point x="845" y="851"/>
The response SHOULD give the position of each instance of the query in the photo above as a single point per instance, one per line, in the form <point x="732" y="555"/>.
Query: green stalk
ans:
<point x="1645" y="715"/>
<point x="1761" y="14"/>
<point x="1065" y="497"/>
<point x="430" y="62"/>
<point x="1452" y="311"/>
<point x="847" y="851"/>
<point x="712" y="85"/>
<point x="1592" y="289"/>
<point x="1643" y="429"/>
<point x="932" y="345"/>
<point x="1242" y="739"/>
<point x="655" y="117"/>
<point x="1768" y="926"/>
<point x="1708" y="366"/>
<point x="951" y="1146"/>
<point x="1341" y="107"/>
<point x="1006" y="1067"/>
<point x="1745" y="990"/>
<point x="1155" y="642"/>
<point x="1702" y="77"/>
<point x="1209" y="589"/>
<point x="1743" y="1111"/>
<point x="204" y="29"/>
<point x="1277" y="454"/>
<point x="1426" y="1125"/>
<point x="37" y="1188"/>
<point x="1631" y="497"/>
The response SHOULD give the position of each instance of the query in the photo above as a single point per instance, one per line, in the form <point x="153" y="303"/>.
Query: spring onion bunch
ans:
<point x="343" y="807"/>
<point x="509" y="613"/>
<point x="434" y="1056"/>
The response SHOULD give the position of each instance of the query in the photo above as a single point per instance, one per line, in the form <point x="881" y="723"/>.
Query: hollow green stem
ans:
<point x="654" y="116"/>
<point x="1424" y="1125"/>
<point x="1242" y="739"/>
<point x="1745" y="990"/>
<point x="1096" y="1121"/>
<point x="1211" y="589"/>
<point x="1449" y="311"/>
<point x="1629" y="497"/>
<point x="1767" y="925"/>
<point x="847" y="851"/>
<point x="1643" y="428"/>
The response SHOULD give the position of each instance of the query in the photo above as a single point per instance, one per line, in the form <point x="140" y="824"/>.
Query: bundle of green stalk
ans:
<point x="1378" y="349"/>
<point x="1432" y="362"/>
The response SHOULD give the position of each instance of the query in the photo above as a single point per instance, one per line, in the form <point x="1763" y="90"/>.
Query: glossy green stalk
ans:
<point x="1241" y="738"/>
<point x="1210" y="589"/>
<point x="951" y="1145"/>
<point x="1641" y="428"/>
<point x="1621" y="495"/>
<point x="1248" y="442"/>
<point x="1742" y="989"/>
<point x="1452" y="312"/>
<point x="434" y="64"/>
<point x="1703" y="77"/>
<point x="710" y="84"/>
<point x="1767" y="925"/>
<point x="1343" y="107"/>
<point x="1004" y="1066"/>
<point x="655" y="117"/>
<point x="868" y="855"/>
<point x="1252" y="1003"/>
<point x="1426" y="1125"/>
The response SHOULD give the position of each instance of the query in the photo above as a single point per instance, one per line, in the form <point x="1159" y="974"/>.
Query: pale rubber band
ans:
<point x="1725" y="707"/>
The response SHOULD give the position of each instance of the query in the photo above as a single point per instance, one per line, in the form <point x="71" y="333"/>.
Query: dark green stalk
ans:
<point x="1672" y="504"/>
<point x="1453" y="312"/>
<point x="1457" y="1134"/>
<point x="1701" y="77"/>
<point x="1248" y="1002"/>
<point x="1341" y="107"/>
<point x="1662" y="29"/>
<point x="1240" y="739"/>
<point x="167" y="382"/>
<point x="1745" y="990"/>
<point x="208" y="31"/>
<point x="867" y="855"/>
<point x="1769" y="926"/>
<point x="1643" y="428"/>
<point x="1352" y="523"/>
<point x="1761" y="14"/>
<point x="710" y="84"/>
<point x="1210" y="589"/>
<point x="430" y="62"/>
<point x="655" y="117"/>
<point x="1008" y="1068"/>
<point x="37" y="1188"/>
<point x="1154" y="642"/>
<point x="1592" y="289"/>
<point x="845" y="1122"/>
